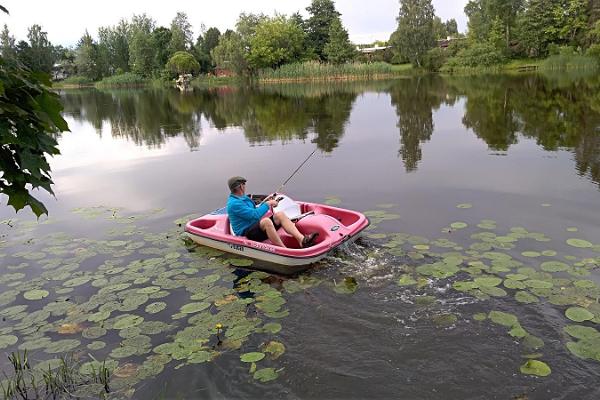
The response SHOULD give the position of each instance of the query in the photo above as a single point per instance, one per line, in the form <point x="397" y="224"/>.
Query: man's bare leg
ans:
<point x="288" y="226"/>
<point x="267" y="225"/>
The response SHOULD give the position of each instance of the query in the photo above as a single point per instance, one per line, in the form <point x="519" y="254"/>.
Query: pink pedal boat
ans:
<point x="333" y="225"/>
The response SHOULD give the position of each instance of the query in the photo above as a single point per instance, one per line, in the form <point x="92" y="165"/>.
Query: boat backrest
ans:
<point x="288" y="206"/>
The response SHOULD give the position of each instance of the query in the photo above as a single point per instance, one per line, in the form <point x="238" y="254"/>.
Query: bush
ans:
<point x="435" y="59"/>
<point x="126" y="79"/>
<point x="77" y="80"/>
<point x="481" y="55"/>
<point x="594" y="51"/>
<point x="183" y="62"/>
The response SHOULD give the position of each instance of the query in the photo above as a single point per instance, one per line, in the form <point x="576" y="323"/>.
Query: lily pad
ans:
<point x="252" y="357"/>
<point x="265" y="375"/>
<point x="272" y="327"/>
<point x="535" y="367"/>
<point x="128" y="321"/>
<point x="194" y="307"/>
<point x="458" y="225"/>
<point x="554" y="266"/>
<point x="240" y="262"/>
<point x="154" y="308"/>
<point x="504" y="319"/>
<point x="578" y="314"/>
<point x="7" y="340"/>
<point x="464" y="205"/>
<point x="275" y="349"/>
<point x="406" y="280"/>
<point x="580" y="243"/>
<point x="36" y="294"/>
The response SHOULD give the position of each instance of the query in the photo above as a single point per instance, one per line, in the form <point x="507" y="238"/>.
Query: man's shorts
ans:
<point x="257" y="234"/>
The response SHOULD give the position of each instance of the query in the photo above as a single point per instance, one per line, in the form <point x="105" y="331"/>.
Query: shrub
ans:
<point x="434" y="59"/>
<point x="594" y="51"/>
<point x="183" y="62"/>
<point x="77" y="80"/>
<point x="126" y="79"/>
<point x="481" y="55"/>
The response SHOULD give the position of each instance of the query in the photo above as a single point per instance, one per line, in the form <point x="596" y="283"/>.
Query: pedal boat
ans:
<point x="334" y="226"/>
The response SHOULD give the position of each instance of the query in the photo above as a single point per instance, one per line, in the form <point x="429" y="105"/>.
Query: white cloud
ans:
<point x="66" y="20"/>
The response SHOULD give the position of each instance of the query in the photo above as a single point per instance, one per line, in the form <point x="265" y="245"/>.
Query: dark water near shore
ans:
<point x="523" y="151"/>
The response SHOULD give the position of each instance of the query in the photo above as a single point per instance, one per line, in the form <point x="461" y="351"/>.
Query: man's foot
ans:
<point x="309" y="239"/>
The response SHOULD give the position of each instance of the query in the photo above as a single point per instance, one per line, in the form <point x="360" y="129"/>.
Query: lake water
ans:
<point x="476" y="188"/>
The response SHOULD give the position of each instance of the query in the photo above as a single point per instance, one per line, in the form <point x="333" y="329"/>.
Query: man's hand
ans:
<point x="272" y="203"/>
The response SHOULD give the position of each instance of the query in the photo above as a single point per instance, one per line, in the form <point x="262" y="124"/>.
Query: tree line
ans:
<point x="140" y="46"/>
<point x="499" y="30"/>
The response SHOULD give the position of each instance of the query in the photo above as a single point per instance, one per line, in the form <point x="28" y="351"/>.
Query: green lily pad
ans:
<point x="487" y="281"/>
<point x="154" y="308"/>
<point x="240" y="262"/>
<point x="532" y="254"/>
<point x="525" y="297"/>
<point x="480" y="316"/>
<point x="535" y="367"/>
<point x="578" y="314"/>
<point x="265" y="375"/>
<point x="518" y="332"/>
<point x="549" y="253"/>
<point x="272" y="327"/>
<point x="582" y="332"/>
<point x="458" y="225"/>
<point x="252" y="357"/>
<point x="572" y="229"/>
<point x="406" y="280"/>
<point x="421" y="247"/>
<point x="128" y="321"/>
<point x="99" y="316"/>
<point x="36" y="294"/>
<point x="194" y="307"/>
<point x="62" y="346"/>
<point x="7" y="340"/>
<point x="504" y="319"/>
<point x="580" y="243"/>
<point x="275" y="349"/>
<point x="464" y="206"/>
<point x="554" y="266"/>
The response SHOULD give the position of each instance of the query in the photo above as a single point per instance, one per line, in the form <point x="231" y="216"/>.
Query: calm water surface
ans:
<point x="524" y="151"/>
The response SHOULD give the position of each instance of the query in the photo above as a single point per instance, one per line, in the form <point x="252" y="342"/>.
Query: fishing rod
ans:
<point x="291" y="176"/>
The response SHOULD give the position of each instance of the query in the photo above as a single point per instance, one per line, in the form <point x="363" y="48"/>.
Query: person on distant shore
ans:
<point x="247" y="220"/>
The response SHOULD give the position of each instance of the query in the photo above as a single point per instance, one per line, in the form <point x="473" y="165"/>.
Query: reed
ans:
<point x="312" y="70"/>
<point x="122" y="80"/>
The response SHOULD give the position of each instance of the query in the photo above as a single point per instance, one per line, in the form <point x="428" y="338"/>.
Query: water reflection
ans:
<point x="556" y="112"/>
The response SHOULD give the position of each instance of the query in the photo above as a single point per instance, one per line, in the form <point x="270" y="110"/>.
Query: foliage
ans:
<point x="124" y="79"/>
<point x="77" y="80"/>
<point x="435" y="59"/>
<point x="276" y="41"/>
<point x="183" y="62"/>
<point x="322" y="14"/>
<point x="30" y="119"/>
<point x="116" y="42"/>
<point x="313" y="70"/>
<point x="181" y="33"/>
<point x="41" y="51"/>
<point x="7" y="44"/>
<point x="87" y="58"/>
<point x="230" y="53"/>
<point x="338" y="49"/>
<point x="141" y="46"/>
<point x="415" y="34"/>
<point x="476" y="56"/>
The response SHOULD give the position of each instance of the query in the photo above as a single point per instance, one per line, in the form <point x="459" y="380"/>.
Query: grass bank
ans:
<point x="313" y="71"/>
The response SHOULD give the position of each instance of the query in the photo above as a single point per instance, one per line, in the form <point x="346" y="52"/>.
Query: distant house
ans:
<point x="370" y="50"/>
<point x="444" y="43"/>
<point x="223" y="72"/>
<point x="60" y="72"/>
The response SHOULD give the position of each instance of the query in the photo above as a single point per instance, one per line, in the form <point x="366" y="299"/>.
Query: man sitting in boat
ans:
<point x="247" y="220"/>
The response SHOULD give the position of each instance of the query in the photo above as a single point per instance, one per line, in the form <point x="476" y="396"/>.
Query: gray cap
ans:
<point x="235" y="181"/>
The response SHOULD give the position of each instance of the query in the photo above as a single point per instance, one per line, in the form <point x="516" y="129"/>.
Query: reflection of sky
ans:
<point x="364" y="170"/>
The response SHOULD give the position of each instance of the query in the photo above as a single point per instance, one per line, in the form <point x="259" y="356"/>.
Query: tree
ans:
<point x="183" y="62"/>
<point x="161" y="39"/>
<point x="276" y="41"/>
<point x="41" y="50"/>
<point x="141" y="46"/>
<point x="86" y="58"/>
<point x="415" y="30"/>
<point x="115" y="41"/>
<point x="7" y="45"/>
<point x="211" y="39"/>
<point x="322" y="14"/>
<point x="181" y="33"/>
<point x="30" y="118"/>
<point x="231" y="54"/>
<point x="339" y="49"/>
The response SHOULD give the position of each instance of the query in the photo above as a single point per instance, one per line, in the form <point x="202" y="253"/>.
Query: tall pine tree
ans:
<point x="338" y="49"/>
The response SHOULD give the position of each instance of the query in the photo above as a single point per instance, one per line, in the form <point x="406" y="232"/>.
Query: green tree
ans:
<point x="415" y="30"/>
<point x="322" y="14"/>
<point x="141" y="45"/>
<point x="183" y="62"/>
<point x="161" y="39"/>
<point x="41" y="50"/>
<point x="115" y="41"/>
<point x="181" y="33"/>
<point x="231" y="53"/>
<point x="339" y="49"/>
<point x="276" y="41"/>
<point x="211" y="39"/>
<point x="30" y="119"/>
<point x="7" y="45"/>
<point x="86" y="58"/>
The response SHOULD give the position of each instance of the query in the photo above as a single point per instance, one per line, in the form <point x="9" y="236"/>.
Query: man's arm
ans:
<point x="243" y="211"/>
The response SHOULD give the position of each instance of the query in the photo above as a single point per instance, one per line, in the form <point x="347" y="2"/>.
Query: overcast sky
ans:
<point x="66" y="20"/>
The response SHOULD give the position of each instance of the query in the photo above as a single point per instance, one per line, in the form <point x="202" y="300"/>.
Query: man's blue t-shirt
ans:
<point x="243" y="213"/>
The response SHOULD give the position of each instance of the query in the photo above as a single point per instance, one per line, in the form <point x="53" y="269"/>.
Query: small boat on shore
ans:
<point x="334" y="226"/>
